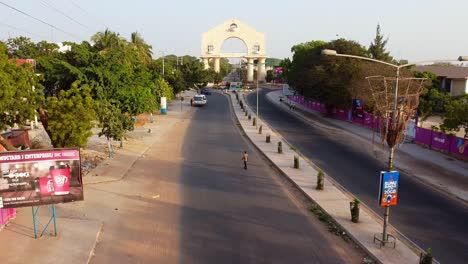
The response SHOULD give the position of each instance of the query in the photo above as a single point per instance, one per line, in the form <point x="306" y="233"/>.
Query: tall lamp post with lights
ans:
<point x="259" y="75"/>
<point x="401" y="104"/>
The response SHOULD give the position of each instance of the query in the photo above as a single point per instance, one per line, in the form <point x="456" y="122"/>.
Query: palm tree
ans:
<point x="143" y="49"/>
<point x="107" y="40"/>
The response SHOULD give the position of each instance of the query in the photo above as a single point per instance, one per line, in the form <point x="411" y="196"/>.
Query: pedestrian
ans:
<point x="245" y="158"/>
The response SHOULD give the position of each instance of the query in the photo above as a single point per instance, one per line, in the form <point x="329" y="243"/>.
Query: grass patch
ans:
<point x="333" y="227"/>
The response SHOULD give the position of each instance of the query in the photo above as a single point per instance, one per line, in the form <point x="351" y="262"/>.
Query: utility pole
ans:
<point x="163" y="64"/>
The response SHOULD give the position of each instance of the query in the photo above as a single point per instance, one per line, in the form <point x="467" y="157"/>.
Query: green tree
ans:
<point x="21" y="48"/>
<point x="143" y="49"/>
<point x="114" y="124"/>
<point x="20" y="94"/>
<point x="70" y="116"/>
<point x="45" y="48"/>
<point x="326" y="79"/>
<point x="456" y="115"/>
<point x="377" y="47"/>
<point x="107" y="40"/>
<point x="432" y="99"/>
<point x="163" y="89"/>
<point x="270" y="75"/>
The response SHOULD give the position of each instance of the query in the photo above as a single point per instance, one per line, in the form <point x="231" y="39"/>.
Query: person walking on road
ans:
<point x="245" y="158"/>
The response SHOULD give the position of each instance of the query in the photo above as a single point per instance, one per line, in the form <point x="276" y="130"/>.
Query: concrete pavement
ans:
<point x="331" y="199"/>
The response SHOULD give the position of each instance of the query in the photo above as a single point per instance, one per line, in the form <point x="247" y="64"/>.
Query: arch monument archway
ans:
<point x="213" y="40"/>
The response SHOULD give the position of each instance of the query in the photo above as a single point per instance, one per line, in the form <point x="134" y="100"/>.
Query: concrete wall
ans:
<point x="459" y="87"/>
<point x="217" y="35"/>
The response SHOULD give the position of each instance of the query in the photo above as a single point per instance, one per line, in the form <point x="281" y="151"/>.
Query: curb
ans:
<point x="354" y="239"/>
<point x="136" y="155"/>
<point x="403" y="239"/>
<point x="98" y="236"/>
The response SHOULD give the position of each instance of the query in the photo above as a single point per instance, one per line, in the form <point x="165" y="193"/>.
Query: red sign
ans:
<point x="39" y="177"/>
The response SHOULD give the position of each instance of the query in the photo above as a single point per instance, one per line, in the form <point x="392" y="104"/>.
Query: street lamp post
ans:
<point x="163" y="62"/>
<point x="258" y="77"/>
<point x="328" y="52"/>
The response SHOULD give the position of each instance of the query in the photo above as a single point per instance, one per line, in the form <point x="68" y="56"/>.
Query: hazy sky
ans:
<point x="417" y="29"/>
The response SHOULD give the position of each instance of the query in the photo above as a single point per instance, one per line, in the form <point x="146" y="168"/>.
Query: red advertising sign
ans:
<point x="39" y="177"/>
<point x="388" y="194"/>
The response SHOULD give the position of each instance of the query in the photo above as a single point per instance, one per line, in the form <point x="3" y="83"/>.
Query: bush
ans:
<point x="320" y="180"/>
<point x="296" y="162"/>
<point x="426" y="258"/>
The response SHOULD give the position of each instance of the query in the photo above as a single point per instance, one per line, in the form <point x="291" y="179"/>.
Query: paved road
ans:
<point x="188" y="200"/>
<point x="424" y="215"/>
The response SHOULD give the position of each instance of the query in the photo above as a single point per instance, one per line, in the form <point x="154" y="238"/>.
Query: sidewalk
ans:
<point x="332" y="200"/>
<point x="437" y="169"/>
<point x="78" y="234"/>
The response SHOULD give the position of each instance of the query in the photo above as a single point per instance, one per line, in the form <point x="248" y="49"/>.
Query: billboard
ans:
<point x="388" y="193"/>
<point x="40" y="177"/>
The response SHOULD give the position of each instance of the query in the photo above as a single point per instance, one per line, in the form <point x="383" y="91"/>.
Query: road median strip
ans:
<point x="332" y="200"/>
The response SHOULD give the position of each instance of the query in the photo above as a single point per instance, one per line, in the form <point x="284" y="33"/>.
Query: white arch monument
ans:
<point x="213" y="40"/>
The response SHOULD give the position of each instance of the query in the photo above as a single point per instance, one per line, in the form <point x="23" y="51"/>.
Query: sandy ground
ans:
<point x="96" y="150"/>
<point x="437" y="121"/>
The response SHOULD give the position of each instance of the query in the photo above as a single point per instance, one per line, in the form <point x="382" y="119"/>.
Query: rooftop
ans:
<point x="452" y="72"/>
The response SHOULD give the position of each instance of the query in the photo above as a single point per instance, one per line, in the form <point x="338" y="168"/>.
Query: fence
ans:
<point x="449" y="144"/>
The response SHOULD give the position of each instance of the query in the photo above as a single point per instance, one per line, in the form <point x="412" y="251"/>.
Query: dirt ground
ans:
<point x="96" y="150"/>
<point x="437" y="121"/>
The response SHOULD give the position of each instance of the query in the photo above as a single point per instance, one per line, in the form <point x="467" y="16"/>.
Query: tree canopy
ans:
<point x="117" y="75"/>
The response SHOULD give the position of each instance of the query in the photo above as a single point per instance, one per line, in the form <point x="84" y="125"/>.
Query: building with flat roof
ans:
<point x="453" y="79"/>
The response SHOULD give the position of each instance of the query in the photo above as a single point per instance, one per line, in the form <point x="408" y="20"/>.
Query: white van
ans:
<point x="199" y="99"/>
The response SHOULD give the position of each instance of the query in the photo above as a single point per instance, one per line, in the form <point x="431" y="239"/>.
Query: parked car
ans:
<point x="206" y="92"/>
<point x="199" y="99"/>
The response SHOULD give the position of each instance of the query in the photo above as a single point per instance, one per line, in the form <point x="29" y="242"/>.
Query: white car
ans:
<point x="199" y="99"/>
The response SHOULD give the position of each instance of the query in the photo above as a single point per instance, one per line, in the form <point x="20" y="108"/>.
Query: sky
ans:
<point x="417" y="30"/>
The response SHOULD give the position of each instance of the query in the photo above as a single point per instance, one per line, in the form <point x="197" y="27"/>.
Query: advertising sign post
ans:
<point x="40" y="177"/>
<point x="388" y="192"/>
<point x="388" y="196"/>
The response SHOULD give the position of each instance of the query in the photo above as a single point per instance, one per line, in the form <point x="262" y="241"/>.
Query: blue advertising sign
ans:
<point x="388" y="193"/>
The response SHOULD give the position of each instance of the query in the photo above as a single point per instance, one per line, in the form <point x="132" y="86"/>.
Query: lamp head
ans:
<point x="329" y="52"/>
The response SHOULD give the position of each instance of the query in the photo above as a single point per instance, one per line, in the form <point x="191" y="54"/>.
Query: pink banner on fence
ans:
<point x="368" y="120"/>
<point x="440" y="141"/>
<point x="459" y="146"/>
<point x="423" y="136"/>
<point x="340" y="113"/>
<point x="357" y="120"/>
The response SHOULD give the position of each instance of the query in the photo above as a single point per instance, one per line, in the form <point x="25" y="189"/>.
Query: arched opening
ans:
<point x="233" y="46"/>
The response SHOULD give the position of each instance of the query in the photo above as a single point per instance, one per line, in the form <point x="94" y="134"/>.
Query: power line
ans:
<point x="16" y="28"/>
<point x="37" y="19"/>
<point x="63" y="14"/>
<point x="87" y="13"/>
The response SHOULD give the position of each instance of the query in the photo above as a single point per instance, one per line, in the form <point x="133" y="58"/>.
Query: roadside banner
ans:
<point x="163" y="105"/>
<point x="388" y="193"/>
<point x="40" y="177"/>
